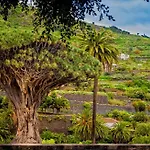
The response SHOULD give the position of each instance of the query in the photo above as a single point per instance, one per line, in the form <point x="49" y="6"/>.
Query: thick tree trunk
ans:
<point x="25" y="105"/>
<point x="94" y="109"/>
<point x="27" y="127"/>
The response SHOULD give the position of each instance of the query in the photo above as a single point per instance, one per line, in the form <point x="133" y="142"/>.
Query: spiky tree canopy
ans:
<point x="100" y="44"/>
<point x="30" y="68"/>
<point x="45" y="62"/>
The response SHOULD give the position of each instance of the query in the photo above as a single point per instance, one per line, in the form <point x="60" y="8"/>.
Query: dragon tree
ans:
<point x="31" y="67"/>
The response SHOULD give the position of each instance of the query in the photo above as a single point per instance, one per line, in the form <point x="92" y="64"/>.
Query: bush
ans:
<point x="140" y="117"/>
<point x="87" y="105"/>
<point x="116" y="102"/>
<point x="6" y="122"/>
<point x="72" y="139"/>
<point x="58" y="137"/>
<point x="147" y="96"/>
<point x="110" y="95"/>
<point x="87" y="142"/>
<point x="120" y="87"/>
<point x="142" y="129"/>
<point x="55" y="101"/>
<point x="51" y="141"/>
<point x="3" y="102"/>
<point x="119" y="115"/>
<point x="46" y="135"/>
<point x="138" y="92"/>
<point x="139" y="106"/>
<point x="148" y="108"/>
<point x="121" y="133"/>
<point x="141" y="140"/>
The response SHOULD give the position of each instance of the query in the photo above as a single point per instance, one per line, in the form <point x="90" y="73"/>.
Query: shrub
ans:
<point x="87" y="105"/>
<point x="120" y="87"/>
<point x="121" y="133"/>
<point x="142" y="129"/>
<point x="141" y="140"/>
<point x="110" y="95"/>
<point x="51" y="141"/>
<point x="3" y="102"/>
<point x="136" y="93"/>
<point x="139" y="105"/>
<point x="129" y="83"/>
<point x="87" y="142"/>
<point x="72" y="139"/>
<point x="147" y="96"/>
<point x="121" y="69"/>
<point x="55" y="101"/>
<point x="116" y="102"/>
<point x="58" y="137"/>
<point x="6" y="122"/>
<point x="141" y="83"/>
<point x="148" y="108"/>
<point x="140" y="117"/>
<point x="46" y="135"/>
<point x="119" y="115"/>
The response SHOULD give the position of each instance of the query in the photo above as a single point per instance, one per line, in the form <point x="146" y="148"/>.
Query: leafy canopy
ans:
<point x="54" y="14"/>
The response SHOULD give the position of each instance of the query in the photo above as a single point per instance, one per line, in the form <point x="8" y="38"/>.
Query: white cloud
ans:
<point x="138" y="28"/>
<point x="131" y="15"/>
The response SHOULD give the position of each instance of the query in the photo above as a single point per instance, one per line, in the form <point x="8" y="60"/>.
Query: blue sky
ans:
<point x="130" y="15"/>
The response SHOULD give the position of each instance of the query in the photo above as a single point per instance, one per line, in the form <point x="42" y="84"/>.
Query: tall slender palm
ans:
<point x="100" y="45"/>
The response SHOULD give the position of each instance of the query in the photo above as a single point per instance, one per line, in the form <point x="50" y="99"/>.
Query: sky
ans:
<point x="130" y="15"/>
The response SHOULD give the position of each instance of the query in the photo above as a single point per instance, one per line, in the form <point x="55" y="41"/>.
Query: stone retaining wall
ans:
<point x="102" y="99"/>
<point x="77" y="107"/>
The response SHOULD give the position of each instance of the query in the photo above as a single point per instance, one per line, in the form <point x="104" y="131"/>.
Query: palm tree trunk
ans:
<point x="94" y="109"/>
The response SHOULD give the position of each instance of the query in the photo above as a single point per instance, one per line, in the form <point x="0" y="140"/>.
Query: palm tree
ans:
<point x="82" y="125"/>
<point x="100" y="45"/>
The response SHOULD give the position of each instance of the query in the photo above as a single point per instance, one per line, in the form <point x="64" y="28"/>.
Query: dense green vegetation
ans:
<point x="29" y="70"/>
<point x="129" y="128"/>
<point x="6" y="121"/>
<point x="127" y="84"/>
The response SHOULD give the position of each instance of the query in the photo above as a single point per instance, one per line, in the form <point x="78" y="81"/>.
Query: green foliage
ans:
<point x="99" y="44"/>
<point x="121" y="133"/>
<point x="142" y="129"/>
<point x="116" y="102"/>
<point x="137" y="93"/>
<point x="72" y="139"/>
<point x="140" y="117"/>
<point x="87" y="106"/>
<point x="51" y="141"/>
<point x="57" y="137"/>
<point x="17" y="30"/>
<point x="3" y="102"/>
<point x="55" y="101"/>
<point x="141" y="140"/>
<point x="119" y="115"/>
<point x="87" y="142"/>
<point x="139" y="105"/>
<point x="82" y="125"/>
<point x="6" y="122"/>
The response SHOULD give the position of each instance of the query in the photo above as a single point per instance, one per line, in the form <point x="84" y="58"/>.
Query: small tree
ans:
<point x="55" y="101"/>
<point x="82" y="125"/>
